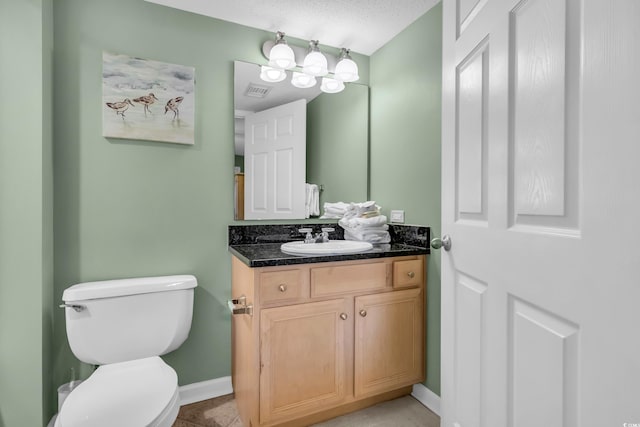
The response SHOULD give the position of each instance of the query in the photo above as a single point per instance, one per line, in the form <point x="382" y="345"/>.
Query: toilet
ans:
<point x="124" y="326"/>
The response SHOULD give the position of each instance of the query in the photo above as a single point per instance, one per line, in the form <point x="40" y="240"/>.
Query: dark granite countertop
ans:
<point x="269" y="254"/>
<point x="406" y="240"/>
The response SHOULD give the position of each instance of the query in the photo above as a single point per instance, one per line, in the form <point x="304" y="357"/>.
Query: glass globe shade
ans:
<point x="282" y="56"/>
<point x="315" y="64"/>
<point x="347" y="70"/>
<point x="303" y="80"/>
<point x="330" y="85"/>
<point x="272" y="75"/>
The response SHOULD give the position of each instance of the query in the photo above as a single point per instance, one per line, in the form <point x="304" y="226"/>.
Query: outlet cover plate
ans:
<point x="397" y="216"/>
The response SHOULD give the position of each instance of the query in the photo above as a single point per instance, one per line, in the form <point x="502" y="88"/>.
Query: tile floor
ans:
<point x="401" y="412"/>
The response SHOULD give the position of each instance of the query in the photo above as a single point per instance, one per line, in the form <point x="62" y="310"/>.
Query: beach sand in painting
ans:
<point x="126" y="77"/>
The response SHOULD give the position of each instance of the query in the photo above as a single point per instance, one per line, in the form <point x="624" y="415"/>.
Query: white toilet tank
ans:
<point x="119" y="320"/>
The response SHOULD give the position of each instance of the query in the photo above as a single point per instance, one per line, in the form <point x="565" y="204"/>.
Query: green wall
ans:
<point x="134" y="208"/>
<point x="26" y="220"/>
<point x="338" y="135"/>
<point x="406" y="76"/>
<point x="239" y="162"/>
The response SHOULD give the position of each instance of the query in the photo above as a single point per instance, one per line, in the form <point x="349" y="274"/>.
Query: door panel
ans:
<point x="537" y="38"/>
<point x="544" y="61"/>
<point x="467" y="10"/>
<point x="259" y="179"/>
<point x="284" y="180"/>
<point x="550" y="344"/>
<point x="471" y="128"/>
<point x="470" y="330"/>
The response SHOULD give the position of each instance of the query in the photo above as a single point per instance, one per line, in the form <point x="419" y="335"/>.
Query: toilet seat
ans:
<point x="135" y="393"/>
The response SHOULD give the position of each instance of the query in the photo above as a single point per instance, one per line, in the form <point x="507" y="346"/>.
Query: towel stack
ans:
<point x="362" y="221"/>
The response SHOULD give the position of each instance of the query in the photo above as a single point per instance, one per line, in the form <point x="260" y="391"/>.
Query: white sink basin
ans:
<point x="332" y="247"/>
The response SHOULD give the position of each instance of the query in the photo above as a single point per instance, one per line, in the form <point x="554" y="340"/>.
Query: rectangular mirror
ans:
<point x="325" y="137"/>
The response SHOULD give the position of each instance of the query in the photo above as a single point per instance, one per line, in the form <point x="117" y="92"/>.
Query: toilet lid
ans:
<point x="129" y="393"/>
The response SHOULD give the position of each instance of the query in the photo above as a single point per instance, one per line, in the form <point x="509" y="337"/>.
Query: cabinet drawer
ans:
<point x="408" y="273"/>
<point x="348" y="279"/>
<point x="276" y="286"/>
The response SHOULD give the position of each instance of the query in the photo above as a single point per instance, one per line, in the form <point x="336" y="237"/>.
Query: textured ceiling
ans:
<point x="360" y="25"/>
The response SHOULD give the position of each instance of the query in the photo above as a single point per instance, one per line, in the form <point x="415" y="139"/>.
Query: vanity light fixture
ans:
<point x="272" y="75"/>
<point x="346" y="69"/>
<point x="311" y="62"/>
<point x="281" y="55"/>
<point x="315" y="63"/>
<point x="330" y="85"/>
<point x="303" y="80"/>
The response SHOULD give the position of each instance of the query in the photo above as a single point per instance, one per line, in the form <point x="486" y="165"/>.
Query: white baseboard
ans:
<point x="209" y="389"/>
<point x="204" y="390"/>
<point x="427" y="398"/>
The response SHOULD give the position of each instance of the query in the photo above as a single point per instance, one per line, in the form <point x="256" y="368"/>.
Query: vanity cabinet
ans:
<point x="327" y="338"/>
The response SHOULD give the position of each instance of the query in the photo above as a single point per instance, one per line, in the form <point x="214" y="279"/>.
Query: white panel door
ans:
<point x="275" y="162"/>
<point x="541" y="167"/>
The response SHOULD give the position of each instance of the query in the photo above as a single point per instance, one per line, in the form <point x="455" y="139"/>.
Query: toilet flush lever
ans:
<point x="76" y="307"/>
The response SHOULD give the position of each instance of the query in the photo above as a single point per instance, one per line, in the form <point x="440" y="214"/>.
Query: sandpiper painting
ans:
<point x="163" y="95"/>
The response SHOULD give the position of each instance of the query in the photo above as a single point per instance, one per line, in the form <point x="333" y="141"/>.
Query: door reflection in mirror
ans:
<point x="334" y="139"/>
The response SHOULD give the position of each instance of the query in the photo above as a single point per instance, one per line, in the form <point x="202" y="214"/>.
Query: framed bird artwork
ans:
<point x="143" y="99"/>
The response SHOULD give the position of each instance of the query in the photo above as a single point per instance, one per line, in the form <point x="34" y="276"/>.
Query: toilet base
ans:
<point x="136" y="393"/>
<point x="169" y="415"/>
<point x="165" y="419"/>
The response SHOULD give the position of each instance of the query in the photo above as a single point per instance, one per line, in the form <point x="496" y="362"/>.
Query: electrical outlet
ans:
<point x="397" y="217"/>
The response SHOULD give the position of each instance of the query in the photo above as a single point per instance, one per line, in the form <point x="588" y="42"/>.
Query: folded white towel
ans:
<point x="368" y="235"/>
<point x="334" y="210"/>
<point x="355" y="223"/>
<point x="361" y="209"/>
<point x="330" y="216"/>
<point x="337" y="205"/>
<point x="366" y="209"/>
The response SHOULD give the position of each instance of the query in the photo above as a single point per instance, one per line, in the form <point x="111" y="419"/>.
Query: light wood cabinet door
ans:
<point x="303" y="360"/>
<point x="389" y="346"/>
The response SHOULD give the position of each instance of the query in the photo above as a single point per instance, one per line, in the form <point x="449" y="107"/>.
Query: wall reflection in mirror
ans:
<point x="286" y="137"/>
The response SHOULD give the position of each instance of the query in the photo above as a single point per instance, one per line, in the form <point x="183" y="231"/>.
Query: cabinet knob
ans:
<point x="411" y="274"/>
<point x="343" y="316"/>
<point x="283" y="288"/>
<point x="363" y="313"/>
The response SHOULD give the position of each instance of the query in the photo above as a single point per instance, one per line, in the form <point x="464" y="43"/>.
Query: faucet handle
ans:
<point x="325" y="233"/>
<point x="308" y="238"/>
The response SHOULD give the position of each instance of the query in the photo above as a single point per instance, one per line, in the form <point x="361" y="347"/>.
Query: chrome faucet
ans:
<point x="322" y="237"/>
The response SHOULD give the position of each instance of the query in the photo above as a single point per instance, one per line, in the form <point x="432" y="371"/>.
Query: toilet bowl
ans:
<point x="124" y="326"/>
<point x="137" y="393"/>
